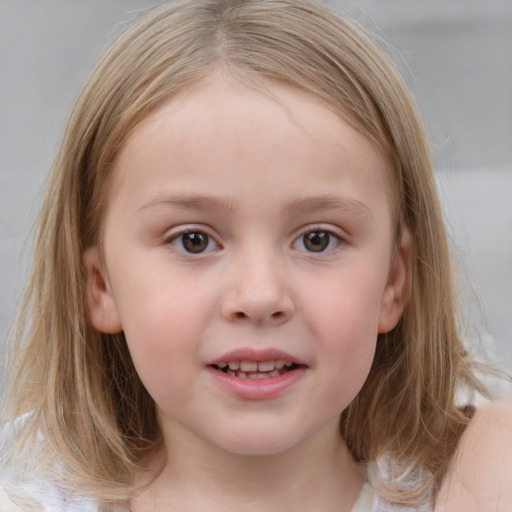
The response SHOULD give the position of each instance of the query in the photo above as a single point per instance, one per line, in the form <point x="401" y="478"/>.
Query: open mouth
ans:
<point x="255" y="369"/>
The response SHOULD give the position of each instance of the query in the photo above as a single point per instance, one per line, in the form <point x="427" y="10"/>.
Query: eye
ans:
<point x="318" y="240"/>
<point x="193" y="242"/>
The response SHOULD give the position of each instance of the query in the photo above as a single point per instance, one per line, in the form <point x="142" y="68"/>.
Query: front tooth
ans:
<point x="253" y="376"/>
<point x="266" y="366"/>
<point x="234" y="365"/>
<point x="279" y="364"/>
<point x="248" y="366"/>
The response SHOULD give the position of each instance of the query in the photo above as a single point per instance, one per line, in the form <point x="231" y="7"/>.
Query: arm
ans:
<point x="480" y="479"/>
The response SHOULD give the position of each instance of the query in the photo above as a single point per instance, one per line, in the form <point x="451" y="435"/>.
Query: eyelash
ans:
<point x="322" y="237"/>
<point x="201" y="235"/>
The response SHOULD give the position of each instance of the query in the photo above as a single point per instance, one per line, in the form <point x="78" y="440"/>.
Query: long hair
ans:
<point x="85" y="407"/>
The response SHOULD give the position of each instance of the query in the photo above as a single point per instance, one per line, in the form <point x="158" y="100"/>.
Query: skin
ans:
<point x="254" y="175"/>
<point x="480" y="479"/>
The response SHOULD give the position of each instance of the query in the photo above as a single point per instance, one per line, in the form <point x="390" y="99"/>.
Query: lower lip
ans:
<point x="258" y="389"/>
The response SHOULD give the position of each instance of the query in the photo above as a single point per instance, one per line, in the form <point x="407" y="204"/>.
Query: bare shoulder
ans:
<point x="6" y="505"/>
<point x="480" y="479"/>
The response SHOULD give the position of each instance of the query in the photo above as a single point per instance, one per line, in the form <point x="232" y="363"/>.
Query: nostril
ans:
<point x="276" y="316"/>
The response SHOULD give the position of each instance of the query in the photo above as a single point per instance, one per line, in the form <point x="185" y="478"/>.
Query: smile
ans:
<point x="257" y="373"/>
<point x="248" y="369"/>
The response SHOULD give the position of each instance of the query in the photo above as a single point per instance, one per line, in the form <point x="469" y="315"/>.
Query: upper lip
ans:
<point x="256" y="354"/>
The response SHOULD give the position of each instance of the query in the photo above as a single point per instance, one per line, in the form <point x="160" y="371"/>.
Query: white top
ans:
<point x="54" y="500"/>
<point x="366" y="500"/>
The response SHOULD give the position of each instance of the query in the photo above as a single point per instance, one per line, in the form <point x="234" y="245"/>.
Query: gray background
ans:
<point x="455" y="54"/>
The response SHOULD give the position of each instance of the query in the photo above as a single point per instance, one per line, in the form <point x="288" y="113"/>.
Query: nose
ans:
<point x="258" y="293"/>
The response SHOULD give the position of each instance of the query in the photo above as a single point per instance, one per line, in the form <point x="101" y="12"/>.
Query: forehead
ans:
<point x="225" y="128"/>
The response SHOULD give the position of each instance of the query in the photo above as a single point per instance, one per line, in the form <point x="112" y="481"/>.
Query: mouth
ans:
<point x="250" y="369"/>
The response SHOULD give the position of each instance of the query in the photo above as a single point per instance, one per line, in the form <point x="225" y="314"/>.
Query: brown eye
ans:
<point x="193" y="242"/>
<point x="316" y="241"/>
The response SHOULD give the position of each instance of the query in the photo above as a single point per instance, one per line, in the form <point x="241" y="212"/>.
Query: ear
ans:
<point x="398" y="286"/>
<point x="103" y="312"/>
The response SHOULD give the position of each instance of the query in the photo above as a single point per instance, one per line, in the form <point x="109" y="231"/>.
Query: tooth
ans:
<point x="234" y="365"/>
<point x="288" y="364"/>
<point x="248" y="366"/>
<point x="252" y="376"/>
<point x="266" y="366"/>
<point x="229" y="372"/>
<point x="222" y="364"/>
<point x="242" y="375"/>
<point x="274" y="373"/>
<point x="263" y="376"/>
<point x="279" y="364"/>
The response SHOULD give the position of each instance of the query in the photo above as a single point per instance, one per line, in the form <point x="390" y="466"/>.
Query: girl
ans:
<point x="241" y="295"/>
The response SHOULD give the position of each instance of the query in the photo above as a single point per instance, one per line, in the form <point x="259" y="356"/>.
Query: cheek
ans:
<point x="162" y="319"/>
<point x="347" y="306"/>
<point x="347" y="356"/>
<point x="163" y="339"/>
<point x="159" y="302"/>
<point x="345" y="321"/>
<point x="348" y="348"/>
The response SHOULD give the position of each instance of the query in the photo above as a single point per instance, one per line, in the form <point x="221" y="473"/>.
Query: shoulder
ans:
<point x="29" y="482"/>
<point x="6" y="505"/>
<point x="480" y="478"/>
<point x="48" y="499"/>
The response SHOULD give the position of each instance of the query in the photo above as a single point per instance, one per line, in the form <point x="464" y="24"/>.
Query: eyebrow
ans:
<point x="194" y="203"/>
<point x="328" y="202"/>
<point x="230" y="205"/>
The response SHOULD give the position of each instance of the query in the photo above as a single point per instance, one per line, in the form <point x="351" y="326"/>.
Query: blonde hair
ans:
<point x="87" y="406"/>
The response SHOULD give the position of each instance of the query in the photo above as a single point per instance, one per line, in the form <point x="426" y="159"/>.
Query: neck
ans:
<point x="320" y="474"/>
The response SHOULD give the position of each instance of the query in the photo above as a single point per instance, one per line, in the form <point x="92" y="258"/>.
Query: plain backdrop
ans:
<point x="456" y="56"/>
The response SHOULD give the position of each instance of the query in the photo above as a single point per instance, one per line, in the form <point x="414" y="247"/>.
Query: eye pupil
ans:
<point x="195" y="242"/>
<point x="316" y="241"/>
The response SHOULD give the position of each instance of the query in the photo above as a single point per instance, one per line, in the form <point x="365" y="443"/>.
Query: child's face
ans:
<point x="240" y="228"/>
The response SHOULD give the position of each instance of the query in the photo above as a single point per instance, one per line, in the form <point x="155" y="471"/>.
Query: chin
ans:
<point x="260" y="442"/>
<point x="258" y="448"/>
